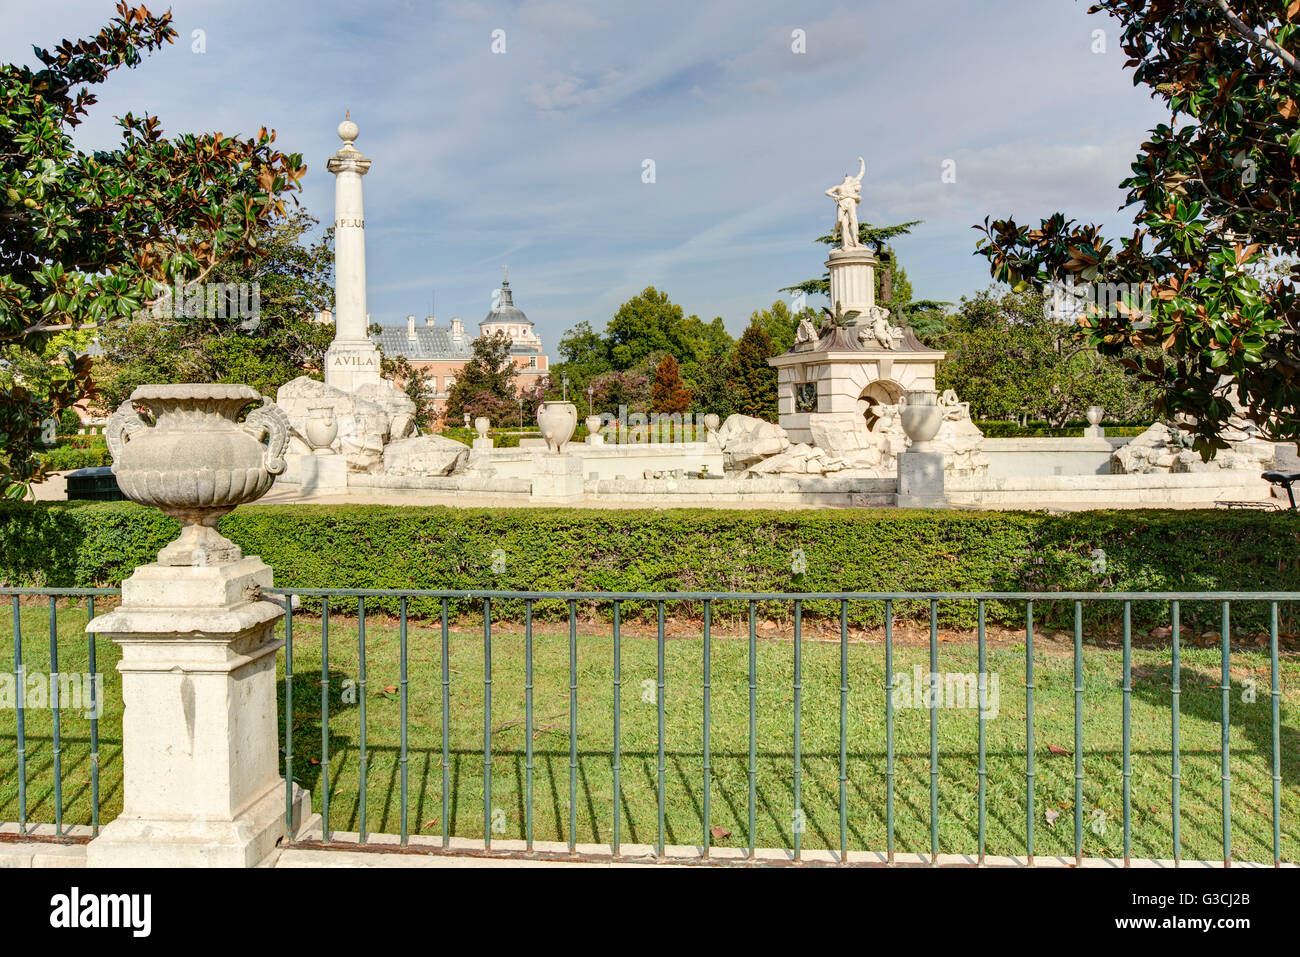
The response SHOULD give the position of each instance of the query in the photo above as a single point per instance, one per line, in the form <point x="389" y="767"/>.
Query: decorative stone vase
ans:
<point x="557" y="420"/>
<point x="481" y="426"/>
<point x="922" y="416"/>
<point x="1094" y="415"/>
<point x="187" y="455"/>
<point x="322" y="428"/>
<point x="711" y="422"/>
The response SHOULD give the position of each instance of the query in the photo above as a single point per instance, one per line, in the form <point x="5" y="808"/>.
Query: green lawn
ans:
<point x="1151" y="822"/>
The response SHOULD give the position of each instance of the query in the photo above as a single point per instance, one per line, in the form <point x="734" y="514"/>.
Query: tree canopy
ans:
<point x="1212" y="191"/>
<point x="91" y="237"/>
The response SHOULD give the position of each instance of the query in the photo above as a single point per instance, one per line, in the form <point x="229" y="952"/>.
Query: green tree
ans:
<point x="281" y="341"/>
<point x="781" y="323"/>
<point x="667" y="393"/>
<point x="416" y="384"/>
<point x="1011" y="359"/>
<point x="486" y="382"/>
<point x="1212" y="191"/>
<point x="91" y="237"/>
<point x="753" y="380"/>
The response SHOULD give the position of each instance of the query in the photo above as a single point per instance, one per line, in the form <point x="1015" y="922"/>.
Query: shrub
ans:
<point x="69" y="456"/>
<point x="402" y="547"/>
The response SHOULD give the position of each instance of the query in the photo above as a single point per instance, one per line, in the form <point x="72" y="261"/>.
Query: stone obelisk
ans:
<point x="352" y="359"/>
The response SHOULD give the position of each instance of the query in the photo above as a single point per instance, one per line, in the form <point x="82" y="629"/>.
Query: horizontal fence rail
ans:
<point x="443" y="641"/>
<point x="65" y="694"/>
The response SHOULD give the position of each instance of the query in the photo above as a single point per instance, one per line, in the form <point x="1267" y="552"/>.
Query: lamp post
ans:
<point x="564" y="387"/>
<point x="591" y="392"/>
<point x="521" y="412"/>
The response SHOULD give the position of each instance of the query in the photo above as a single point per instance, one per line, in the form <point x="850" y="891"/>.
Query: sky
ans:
<point x="519" y="133"/>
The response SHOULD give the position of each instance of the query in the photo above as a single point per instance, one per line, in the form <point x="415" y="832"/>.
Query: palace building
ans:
<point x="443" y="350"/>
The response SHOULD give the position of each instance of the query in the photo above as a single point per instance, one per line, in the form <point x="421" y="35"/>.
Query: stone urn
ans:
<point x="481" y="426"/>
<point x="711" y="422"/>
<point x="557" y="420"/>
<point x="1094" y="415"/>
<point x="182" y="449"/>
<point x="922" y="416"/>
<point x="322" y="428"/>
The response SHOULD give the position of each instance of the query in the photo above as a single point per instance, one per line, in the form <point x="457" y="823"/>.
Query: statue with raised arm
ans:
<point x="847" y="195"/>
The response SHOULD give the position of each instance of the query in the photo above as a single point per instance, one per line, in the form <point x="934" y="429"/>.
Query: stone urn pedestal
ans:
<point x="201" y="780"/>
<point x="557" y="476"/>
<point x="594" y="437"/>
<point x="920" y="468"/>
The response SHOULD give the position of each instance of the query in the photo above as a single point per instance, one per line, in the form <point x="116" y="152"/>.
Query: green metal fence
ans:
<point x="36" y="615"/>
<point x="442" y="602"/>
<point x="19" y="674"/>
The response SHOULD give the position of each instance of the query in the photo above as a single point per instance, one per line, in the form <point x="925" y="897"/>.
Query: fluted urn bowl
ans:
<point x="182" y="449"/>
<point x="922" y="417"/>
<point x="557" y="421"/>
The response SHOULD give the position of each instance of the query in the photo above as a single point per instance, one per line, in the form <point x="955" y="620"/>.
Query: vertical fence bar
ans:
<point x="20" y="676"/>
<point x="402" y="688"/>
<point x="325" y="717"/>
<point x="934" y="732"/>
<point x="889" y="729"/>
<point x="95" y="705"/>
<point x="982" y="684"/>
<point x="54" y="708"/>
<point x="661" y="769"/>
<point x="708" y="707"/>
<point x="487" y="723"/>
<point x="528" y="725"/>
<point x="364" y="759"/>
<point x="1128" y="751"/>
<point x="1226" y="774"/>
<point x="798" y="820"/>
<point x="752" y="802"/>
<point x="1078" y="733"/>
<point x="1175" y="771"/>
<point x="288" y="718"/>
<point x="1276" y="696"/>
<point x="618" y="726"/>
<point x="1029" y="732"/>
<point x="844" y="732"/>
<point x="446" y="730"/>
<point x="573" y="726"/>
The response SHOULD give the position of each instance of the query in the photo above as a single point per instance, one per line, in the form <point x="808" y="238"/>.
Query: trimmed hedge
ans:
<point x="996" y="429"/>
<point x="377" y="546"/>
<point x="62" y="458"/>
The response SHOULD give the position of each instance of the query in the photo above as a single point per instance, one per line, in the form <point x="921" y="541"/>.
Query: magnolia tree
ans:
<point x="1214" y="191"/>
<point x="91" y="238"/>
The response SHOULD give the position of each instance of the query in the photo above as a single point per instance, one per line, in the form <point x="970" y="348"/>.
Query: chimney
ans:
<point x="410" y="327"/>
<point x="430" y="321"/>
<point x="457" y="328"/>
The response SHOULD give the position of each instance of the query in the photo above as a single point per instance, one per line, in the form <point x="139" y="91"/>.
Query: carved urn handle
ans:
<point x="271" y="421"/>
<point x="124" y="423"/>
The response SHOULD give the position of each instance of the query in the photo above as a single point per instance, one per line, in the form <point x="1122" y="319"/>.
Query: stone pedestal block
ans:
<point x="324" y="474"/>
<point x="558" y="478"/>
<point x="200" y="738"/>
<point x="920" y="480"/>
<point x="482" y="444"/>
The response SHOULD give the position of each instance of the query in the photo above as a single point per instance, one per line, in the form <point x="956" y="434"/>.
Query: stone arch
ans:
<point x="877" y="393"/>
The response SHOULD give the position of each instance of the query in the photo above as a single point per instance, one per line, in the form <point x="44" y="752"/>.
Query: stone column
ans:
<point x="853" y="279"/>
<point x="352" y="359"/>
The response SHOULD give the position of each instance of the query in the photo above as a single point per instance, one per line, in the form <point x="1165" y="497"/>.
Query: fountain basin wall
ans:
<point x="1035" y="457"/>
